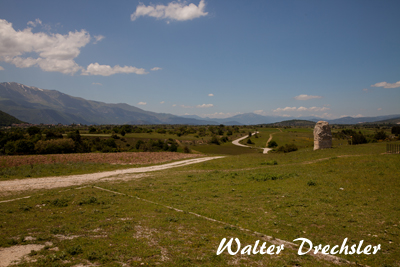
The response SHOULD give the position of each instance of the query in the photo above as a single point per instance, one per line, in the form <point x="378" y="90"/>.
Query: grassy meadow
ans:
<point x="325" y="196"/>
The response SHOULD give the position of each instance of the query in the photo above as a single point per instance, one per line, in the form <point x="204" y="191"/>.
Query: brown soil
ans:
<point x="116" y="158"/>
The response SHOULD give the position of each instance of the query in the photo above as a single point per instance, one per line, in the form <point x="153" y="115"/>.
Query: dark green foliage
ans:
<point x="7" y="120"/>
<point x="287" y="148"/>
<point x="75" y="250"/>
<point x="381" y="135"/>
<point x="272" y="144"/>
<point x="75" y="136"/>
<point x="33" y="130"/>
<point x="53" y="135"/>
<point x="214" y="140"/>
<point x="249" y="141"/>
<point x="186" y="149"/>
<point x="271" y="162"/>
<point x="24" y="147"/>
<point x="311" y="183"/>
<point x="395" y="130"/>
<point x="55" y="146"/>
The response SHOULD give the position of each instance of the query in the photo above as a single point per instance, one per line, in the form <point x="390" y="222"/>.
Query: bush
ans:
<point x="272" y="144"/>
<point x="186" y="149"/>
<point x="214" y="140"/>
<point x="381" y="135"/>
<point x="33" y="130"/>
<point x="249" y="141"/>
<point x="396" y="130"/>
<point x="24" y="147"/>
<point x="55" y="146"/>
<point x="287" y="148"/>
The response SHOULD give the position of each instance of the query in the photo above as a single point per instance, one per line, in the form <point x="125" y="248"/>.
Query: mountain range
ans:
<point x="36" y="105"/>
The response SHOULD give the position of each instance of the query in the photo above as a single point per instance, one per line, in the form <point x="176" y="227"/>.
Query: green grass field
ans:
<point x="325" y="196"/>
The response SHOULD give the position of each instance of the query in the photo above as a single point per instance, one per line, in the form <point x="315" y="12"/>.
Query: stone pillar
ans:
<point x="322" y="135"/>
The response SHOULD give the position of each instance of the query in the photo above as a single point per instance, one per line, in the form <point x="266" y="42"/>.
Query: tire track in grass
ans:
<point x="264" y="237"/>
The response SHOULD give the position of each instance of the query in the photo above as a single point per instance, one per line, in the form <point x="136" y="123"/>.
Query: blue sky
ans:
<point x="210" y="58"/>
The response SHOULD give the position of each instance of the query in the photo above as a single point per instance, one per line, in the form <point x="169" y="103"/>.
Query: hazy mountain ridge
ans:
<point x="35" y="105"/>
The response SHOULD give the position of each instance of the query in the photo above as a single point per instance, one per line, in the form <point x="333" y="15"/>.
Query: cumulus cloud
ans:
<point x="1" y="68"/>
<point x="174" y="11"/>
<point x="174" y="105"/>
<point x="107" y="70"/>
<point x="205" y="106"/>
<point x="306" y="97"/>
<point x="142" y="103"/>
<point x="387" y="85"/>
<point x="162" y="102"/>
<point x="156" y="68"/>
<point x="210" y="94"/>
<point x="54" y="52"/>
<point x="97" y="84"/>
<point x="98" y="38"/>
<point x="379" y="108"/>
<point x="300" y="109"/>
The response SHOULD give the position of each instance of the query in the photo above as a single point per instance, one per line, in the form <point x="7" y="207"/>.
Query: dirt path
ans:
<point x="64" y="181"/>
<point x="236" y="142"/>
<point x="270" y="138"/>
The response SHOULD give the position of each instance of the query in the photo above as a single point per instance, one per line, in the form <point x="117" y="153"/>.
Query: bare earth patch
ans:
<point x="16" y="253"/>
<point x="116" y="158"/>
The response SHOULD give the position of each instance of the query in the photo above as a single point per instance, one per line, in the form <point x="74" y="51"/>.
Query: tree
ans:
<point x="272" y="144"/>
<point x="381" y="135"/>
<point x="33" y="130"/>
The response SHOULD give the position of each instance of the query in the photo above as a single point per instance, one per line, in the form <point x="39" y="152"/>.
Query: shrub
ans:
<point x="381" y="135"/>
<point x="186" y="149"/>
<point x="272" y="144"/>
<point x="33" y="130"/>
<point x="287" y="148"/>
<point x="396" y="130"/>
<point x="249" y="141"/>
<point x="24" y="147"/>
<point x="214" y="140"/>
<point x="55" y="146"/>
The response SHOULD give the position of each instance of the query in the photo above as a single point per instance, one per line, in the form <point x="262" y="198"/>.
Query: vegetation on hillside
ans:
<point x="7" y="120"/>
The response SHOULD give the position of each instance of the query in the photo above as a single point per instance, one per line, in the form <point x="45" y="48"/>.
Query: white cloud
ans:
<point x="97" y="84"/>
<point x="387" y="85"/>
<point x="174" y="105"/>
<point x="379" y="108"/>
<point x="1" y="68"/>
<point x="183" y="106"/>
<point x="162" y="102"/>
<point x="365" y="90"/>
<point x="107" y="70"/>
<point x="205" y="106"/>
<point x="259" y="112"/>
<point x="220" y="115"/>
<point x="54" y="52"/>
<point x="306" y="97"/>
<point x="156" y="68"/>
<point x="35" y="23"/>
<point x="358" y="116"/>
<point x="299" y="109"/>
<point x="142" y="103"/>
<point x="174" y="11"/>
<point x="210" y="94"/>
<point x="98" y="38"/>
